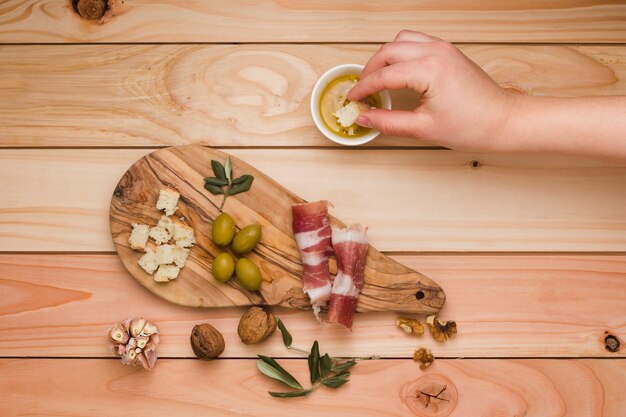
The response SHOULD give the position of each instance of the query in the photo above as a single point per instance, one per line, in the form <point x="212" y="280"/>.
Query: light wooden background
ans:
<point x="531" y="250"/>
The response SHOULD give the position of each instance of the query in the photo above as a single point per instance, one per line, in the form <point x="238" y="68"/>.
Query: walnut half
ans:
<point x="424" y="356"/>
<point x="441" y="330"/>
<point x="410" y="326"/>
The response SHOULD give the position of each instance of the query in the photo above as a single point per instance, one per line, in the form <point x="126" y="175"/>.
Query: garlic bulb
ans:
<point x="135" y="340"/>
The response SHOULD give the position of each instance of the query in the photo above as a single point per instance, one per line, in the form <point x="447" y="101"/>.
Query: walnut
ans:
<point x="206" y="341"/>
<point x="135" y="340"/>
<point x="256" y="325"/>
<point x="410" y="326"/>
<point x="425" y="356"/>
<point x="441" y="330"/>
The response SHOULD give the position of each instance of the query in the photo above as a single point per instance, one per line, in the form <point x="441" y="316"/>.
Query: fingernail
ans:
<point x="363" y="121"/>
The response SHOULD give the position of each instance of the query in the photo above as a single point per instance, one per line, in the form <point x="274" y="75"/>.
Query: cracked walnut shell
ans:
<point x="256" y="325"/>
<point x="441" y="330"/>
<point x="206" y="341"/>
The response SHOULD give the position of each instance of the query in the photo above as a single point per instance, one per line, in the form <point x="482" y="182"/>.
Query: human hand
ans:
<point x="460" y="107"/>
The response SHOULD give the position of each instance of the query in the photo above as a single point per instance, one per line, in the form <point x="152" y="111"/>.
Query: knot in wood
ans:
<point x="90" y="9"/>
<point x="474" y="164"/>
<point x="431" y="395"/>
<point x="611" y="343"/>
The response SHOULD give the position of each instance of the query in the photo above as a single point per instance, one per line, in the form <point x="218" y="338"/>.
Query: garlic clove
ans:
<point x="129" y="357"/>
<point x="132" y="343"/>
<point x="118" y="334"/>
<point x="149" y="329"/>
<point x="126" y="324"/>
<point x="143" y="361"/>
<point x="136" y="326"/>
<point x="142" y="341"/>
<point x="137" y="350"/>
<point x="150" y="353"/>
<point x="155" y="339"/>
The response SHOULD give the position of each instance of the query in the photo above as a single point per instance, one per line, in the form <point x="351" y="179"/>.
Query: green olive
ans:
<point x="247" y="239"/>
<point x="223" y="267"/>
<point x="223" y="229"/>
<point x="248" y="274"/>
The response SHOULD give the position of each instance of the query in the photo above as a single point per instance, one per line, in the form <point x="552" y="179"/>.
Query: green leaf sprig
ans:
<point x="323" y="370"/>
<point x="223" y="182"/>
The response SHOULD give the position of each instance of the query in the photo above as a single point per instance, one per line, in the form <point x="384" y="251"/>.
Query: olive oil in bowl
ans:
<point x="333" y="98"/>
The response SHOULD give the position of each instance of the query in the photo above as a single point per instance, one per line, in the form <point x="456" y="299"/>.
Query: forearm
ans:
<point x="594" y="126"/>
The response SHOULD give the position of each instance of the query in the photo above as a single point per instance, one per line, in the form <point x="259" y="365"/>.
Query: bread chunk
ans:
<point x="183" y="235"/>
<point x="348" y="114"/>
<point x="163" y="231"/>
<point x="165" y="254"/>
<point x="166" y="273"/>
<point x="168" y="199"/>
<point x="139" y="236"/>
<point x="180" y="256"/>
<point x="148" y="261"/>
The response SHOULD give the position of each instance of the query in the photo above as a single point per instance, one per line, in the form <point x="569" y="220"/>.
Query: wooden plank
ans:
<point x="58" y="200"/>
<point x="321" y="21"/>
<point x="505" y="306"/>
<point x="531" y="388"/>
<point x="243" y="95"/>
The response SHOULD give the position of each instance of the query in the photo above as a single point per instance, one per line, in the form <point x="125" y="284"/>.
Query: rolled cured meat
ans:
<point x="350" y="246"/>
<point x="313" y="236"/>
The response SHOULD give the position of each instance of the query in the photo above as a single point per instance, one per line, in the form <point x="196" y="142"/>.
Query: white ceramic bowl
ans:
<point x="324" y="80"/>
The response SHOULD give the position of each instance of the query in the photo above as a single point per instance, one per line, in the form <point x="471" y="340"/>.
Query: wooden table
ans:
<point x="531" y="250"/>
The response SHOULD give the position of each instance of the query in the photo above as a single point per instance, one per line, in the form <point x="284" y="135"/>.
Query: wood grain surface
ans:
<point x="505" y="306"/>
<point x="46" y="21"/>
<point x="530" y="388"/>
<point x="388" y="284"/>
<point x="411" y="200"/>
<point x="243" y="95"/>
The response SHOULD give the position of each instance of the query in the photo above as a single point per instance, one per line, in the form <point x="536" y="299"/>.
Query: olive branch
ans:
<point x="224" y="178"/>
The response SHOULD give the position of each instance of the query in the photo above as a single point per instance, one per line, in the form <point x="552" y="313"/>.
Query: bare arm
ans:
<point x="461" y="107"/>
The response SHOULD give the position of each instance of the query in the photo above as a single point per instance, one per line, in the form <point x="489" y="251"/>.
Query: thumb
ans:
<point x="394" y="122"/>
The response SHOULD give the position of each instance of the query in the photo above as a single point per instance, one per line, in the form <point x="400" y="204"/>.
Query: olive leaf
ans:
<point x="218" y="170"/>
<point x="338" y="369"/>
<point x="314" y="363"/>
<point x="241" y="179"/>
<point x="241" y="186"/>
<point x="215" y="181"/>
<point x="336" y="381"/>
<point x="325" y="364"/>
<point x="287" y="339"/>
<point x="291" y="394"/>
<point x="269" y="367"/>
<point x="213" y="189"/>
<point x="228" y="168"/>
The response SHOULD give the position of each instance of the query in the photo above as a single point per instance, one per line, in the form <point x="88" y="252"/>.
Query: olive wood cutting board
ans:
<point x="388" y="284"/>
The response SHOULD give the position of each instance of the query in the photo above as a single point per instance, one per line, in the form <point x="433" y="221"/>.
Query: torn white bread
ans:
<point x="183" y="235"/>
<point x="168" y="200"/>
<point x="139" y="236"/>
<point x="348" y="114"/>
<point x="180" y="256"/>
<point x="166" y="273"/>
<point x="148" y="261"/>
<point x="165" y="254"/>
<point x="163" y="231"/>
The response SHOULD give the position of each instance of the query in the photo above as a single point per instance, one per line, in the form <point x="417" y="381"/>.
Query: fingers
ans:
<point x="412" y="36"/>
<point x="394" y="77"/>
<point x="395" y="122"/>
<point x="393" y="53"/>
